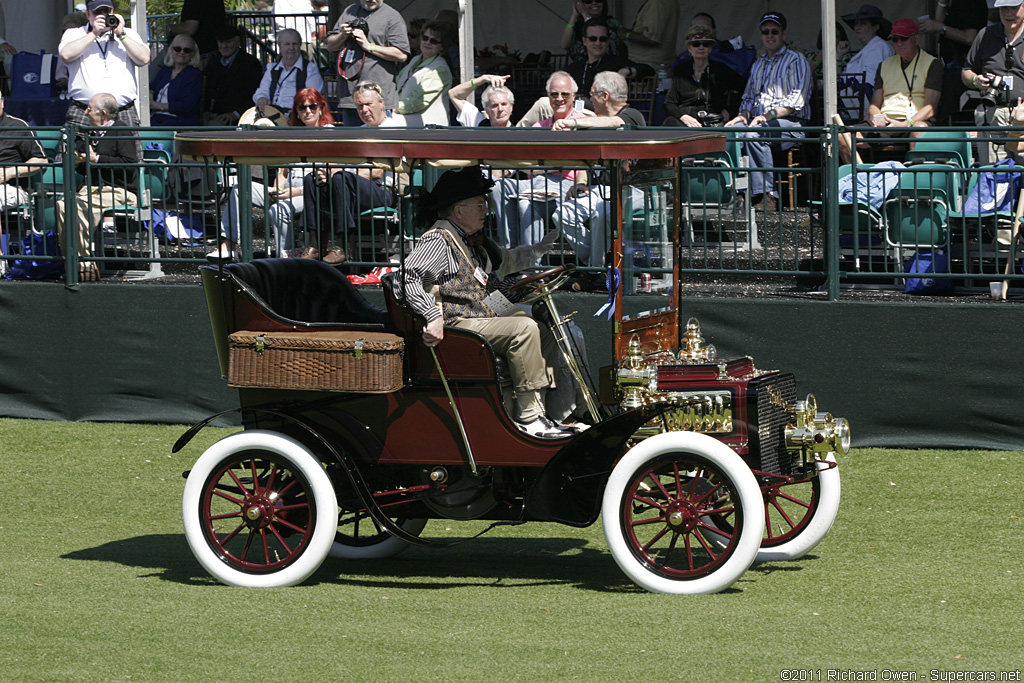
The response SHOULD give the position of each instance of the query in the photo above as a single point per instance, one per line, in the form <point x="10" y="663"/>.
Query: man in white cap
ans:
<point x="995" y="68"/>
<point x="101" y="58"/>
<point x="777" y="98"/>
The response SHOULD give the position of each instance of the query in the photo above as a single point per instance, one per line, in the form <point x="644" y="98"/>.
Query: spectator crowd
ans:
<point x="390" y="70"/>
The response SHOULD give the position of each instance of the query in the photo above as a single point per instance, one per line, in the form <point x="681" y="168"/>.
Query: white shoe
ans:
<point x="543" y="428"/>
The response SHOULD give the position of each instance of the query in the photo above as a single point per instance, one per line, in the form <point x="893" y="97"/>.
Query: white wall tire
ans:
<point x="259" y="510"/>
<point x="656" y="504"/>
<point x="823" y="506"/>
<point x="350" y="544"/>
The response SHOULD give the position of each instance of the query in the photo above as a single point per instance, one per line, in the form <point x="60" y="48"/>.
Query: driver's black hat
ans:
<point x="451" y="188"/>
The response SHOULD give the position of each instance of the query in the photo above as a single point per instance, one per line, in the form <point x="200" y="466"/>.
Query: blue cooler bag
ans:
<point x="925" y="262"/>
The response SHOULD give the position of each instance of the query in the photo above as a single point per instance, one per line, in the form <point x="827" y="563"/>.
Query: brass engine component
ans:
<point x="817" y="432"/>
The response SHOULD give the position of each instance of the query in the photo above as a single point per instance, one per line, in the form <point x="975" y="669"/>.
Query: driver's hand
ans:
<point x="433" y="332"/>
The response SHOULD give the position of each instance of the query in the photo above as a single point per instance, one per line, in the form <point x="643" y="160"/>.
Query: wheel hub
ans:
<point x="682" y="516"/>
<point x="258" y="512"/>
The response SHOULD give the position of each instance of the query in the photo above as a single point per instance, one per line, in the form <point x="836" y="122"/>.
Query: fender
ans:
<point x="347" y="464"/>
<point x="569" y="488"/>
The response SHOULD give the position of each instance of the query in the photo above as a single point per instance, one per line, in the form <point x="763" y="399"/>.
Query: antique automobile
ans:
<point x="355" y="433"/>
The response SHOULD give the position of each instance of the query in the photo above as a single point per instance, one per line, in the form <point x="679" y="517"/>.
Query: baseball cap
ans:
<point x="1007" y="3"/>
<point x="904" y="28"/>
<point x="94" y="5"/>
<point x="777" y="17"/>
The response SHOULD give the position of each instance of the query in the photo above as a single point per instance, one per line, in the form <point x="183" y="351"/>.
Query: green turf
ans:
<point x="922" y="571"/>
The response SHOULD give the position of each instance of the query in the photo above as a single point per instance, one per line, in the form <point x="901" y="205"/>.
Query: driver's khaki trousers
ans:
<point x="530" y="348"/>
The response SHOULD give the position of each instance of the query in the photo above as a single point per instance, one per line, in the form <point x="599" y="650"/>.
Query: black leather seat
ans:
<point x="305" y="291"/>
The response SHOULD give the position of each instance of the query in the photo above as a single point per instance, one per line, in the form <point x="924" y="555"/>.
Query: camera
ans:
<point x="359" y="23"/>
<point x="997" y="93"/>
<point x="113" y="21"/>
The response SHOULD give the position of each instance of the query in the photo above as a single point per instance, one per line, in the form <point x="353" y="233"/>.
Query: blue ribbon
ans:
<point x="612" y="279"/>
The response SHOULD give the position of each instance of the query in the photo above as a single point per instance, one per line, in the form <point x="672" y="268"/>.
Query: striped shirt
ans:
<point x="431" y="263"/>
<point x="780" y="81"/>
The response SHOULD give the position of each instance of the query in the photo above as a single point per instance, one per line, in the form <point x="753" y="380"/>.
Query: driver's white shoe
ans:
<point x="543" y="428"/>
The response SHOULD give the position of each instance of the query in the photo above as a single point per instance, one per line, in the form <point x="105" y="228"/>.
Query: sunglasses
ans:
<point x="179" y="48"/>
<point x="308" y="107"/>
<point x="703" y="43"/>
<point x="899" y="39"/>
<point x="557" y="95"/>
<point x="770" y="31"/>
<point x="594" y="39"/>
<point x="428" y="39"/>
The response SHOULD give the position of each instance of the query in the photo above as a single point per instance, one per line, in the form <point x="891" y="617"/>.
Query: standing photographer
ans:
<point x="994" y="67"/>
<point x="101" y="58"/>
<point x="372" y="42"/>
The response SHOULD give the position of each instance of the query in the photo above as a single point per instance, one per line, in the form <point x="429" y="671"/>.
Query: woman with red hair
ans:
<point x="309" y="109"/>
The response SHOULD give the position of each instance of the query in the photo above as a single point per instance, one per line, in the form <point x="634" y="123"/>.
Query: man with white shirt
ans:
<point x="102" y="59"/>
<point x="285" y="78"/>
<point x="349" y="192"/>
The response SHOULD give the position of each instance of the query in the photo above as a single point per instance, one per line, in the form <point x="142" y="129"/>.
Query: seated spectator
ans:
<point x="523" y="206"/>
<point x="560" y="102"/>
<point x="776" y="99"/>
<point x="700" y="89"/>
<point x="176" y="91"/>
<point x="497" y="102"/>
<point x="596" y="36"/>
<point x="293" y="73"/>
<point x="332" y="196"/>
<point x="231" y="79"/>
<point x="573" y="38"/>
<point x="583" y="219"/>
<point x="20" y="156"/>
<point x="732" y="52"/>
<point x="423" y="83"/>
<point x="309" y="109"/>
<point x="106" y="186"/>
<point x="907" y="88"/>
<point x="871" y="29"/>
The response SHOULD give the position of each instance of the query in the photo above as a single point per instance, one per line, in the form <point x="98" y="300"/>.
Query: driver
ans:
<point x="448" y="277"/>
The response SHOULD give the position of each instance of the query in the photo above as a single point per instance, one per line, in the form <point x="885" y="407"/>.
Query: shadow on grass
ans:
<point x="168" y="554"/>
<point x="491" y="562"/>
<point x="497" y="562"/>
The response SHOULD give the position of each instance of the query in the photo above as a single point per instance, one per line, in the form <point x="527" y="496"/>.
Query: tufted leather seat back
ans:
<point x="305" y="290"/>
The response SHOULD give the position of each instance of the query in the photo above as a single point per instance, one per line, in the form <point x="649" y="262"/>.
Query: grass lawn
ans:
<point x="922" y="571"/>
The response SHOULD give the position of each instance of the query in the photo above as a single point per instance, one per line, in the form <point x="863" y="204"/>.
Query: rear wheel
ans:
<point x="656" y="506"/>
<point x="359" y="538"/>
<point x="259" y="510"/>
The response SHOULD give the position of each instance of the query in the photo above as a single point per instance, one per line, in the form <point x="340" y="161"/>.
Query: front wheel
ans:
<point x="656" y="506"/>
<point x="259" y="510"/>
<point x="799" y="513"/>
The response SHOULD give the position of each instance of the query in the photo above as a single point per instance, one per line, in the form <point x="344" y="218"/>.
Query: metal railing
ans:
<point x="822" y="233"/>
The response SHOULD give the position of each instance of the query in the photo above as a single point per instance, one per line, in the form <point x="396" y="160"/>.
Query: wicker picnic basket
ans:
<point x="355" y="361"/>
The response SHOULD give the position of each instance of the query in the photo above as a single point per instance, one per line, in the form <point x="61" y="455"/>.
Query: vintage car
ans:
<point x="356" y="433"/>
